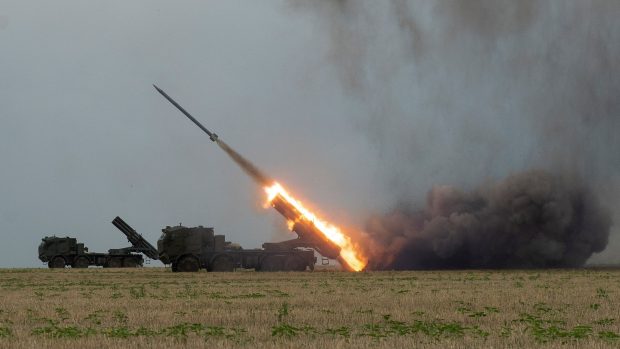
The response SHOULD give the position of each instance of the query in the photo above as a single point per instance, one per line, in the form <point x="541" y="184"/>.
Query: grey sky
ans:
<point x="84" y="136"/>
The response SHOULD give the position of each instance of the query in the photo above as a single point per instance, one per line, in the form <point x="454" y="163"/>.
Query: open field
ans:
<point x="155" y="308"/>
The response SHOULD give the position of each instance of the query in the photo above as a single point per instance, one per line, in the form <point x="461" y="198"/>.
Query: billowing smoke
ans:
<point x="469" y="92"/>
<point x="532" y="219"/>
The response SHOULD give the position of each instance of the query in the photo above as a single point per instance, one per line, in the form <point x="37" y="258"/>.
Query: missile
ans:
<point x="212" y="135"/>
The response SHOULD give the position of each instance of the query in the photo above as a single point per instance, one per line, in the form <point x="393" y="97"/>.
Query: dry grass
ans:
<point x="155" y="308"/>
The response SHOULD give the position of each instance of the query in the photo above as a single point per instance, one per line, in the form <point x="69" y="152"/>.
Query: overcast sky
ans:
<point x="85" y="137"/>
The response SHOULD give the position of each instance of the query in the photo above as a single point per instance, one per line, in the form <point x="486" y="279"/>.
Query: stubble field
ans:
<point x="155" y="308"/>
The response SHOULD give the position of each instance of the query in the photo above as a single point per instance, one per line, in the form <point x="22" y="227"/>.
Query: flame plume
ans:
<point x="349" y="253"/>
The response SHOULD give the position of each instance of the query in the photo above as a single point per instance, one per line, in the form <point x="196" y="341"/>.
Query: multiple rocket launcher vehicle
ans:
<point x="190" y="249"/>
<point x="59" y="252"/>
<point x="184" y="249"/>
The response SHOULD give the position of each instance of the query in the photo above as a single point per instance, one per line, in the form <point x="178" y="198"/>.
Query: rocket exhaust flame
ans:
<point x="350" y="256"/>
<point x="326" y="238"/>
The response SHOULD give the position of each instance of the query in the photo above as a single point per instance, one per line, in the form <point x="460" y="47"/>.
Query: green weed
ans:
<point x="182" y="330"/>
<point x="505" y="332"/>
<point x="608" y="335"/>
<point x="237" y="335"/>
<point x="284" y="330"/>
<point x="601" y="293"/>
<point x="216" y="331"/>
<point x="278" y="293"/>
<point x="542" y="308"/>
<point x="491" y="310"/>
<point x="188" y="292"/>
<point x="219" y="295"/>
<point x="435" y="329"/>
<point x="282" y="312"/>
<point x="137" y="292"/>
<point x="55" y="331"/>
<point x="478" y="332"/>
<point x="63" y="314"/>
<point x="118" y="332"/>
<point x="606" y="321"/>
<point x="547" y="330"/>
<point x="340" y="331"/>
<point x="467" y="309"/>
<point x="39" y="295"/>
<point x="120" y="317"/>
<point x="5" y="332"/>
<point x="95" y="317"/>
<point x="252" y="295"/>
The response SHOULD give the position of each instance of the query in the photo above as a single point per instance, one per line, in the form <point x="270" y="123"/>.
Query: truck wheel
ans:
<point x="188" y="264"/>
<point x="57" y="262"/>
<point x="130" y="263"/>
<point x="294" y="263"/>
<point x="81" y="262"/>
<point x="115" y="262"/>
<point x="272" y="263"/>
<point x="222" y="264"/>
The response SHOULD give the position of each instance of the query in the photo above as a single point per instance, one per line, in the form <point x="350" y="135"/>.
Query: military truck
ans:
<point x="59" y="252"/>
<point x="190" y="249"/>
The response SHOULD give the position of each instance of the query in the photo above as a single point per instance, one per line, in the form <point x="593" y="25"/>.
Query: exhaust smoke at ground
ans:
<point x="531" y="219"/>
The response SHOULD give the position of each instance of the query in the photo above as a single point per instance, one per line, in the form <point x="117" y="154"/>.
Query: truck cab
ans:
<point x="190" y="249"/>
<point x="59" y="251"/>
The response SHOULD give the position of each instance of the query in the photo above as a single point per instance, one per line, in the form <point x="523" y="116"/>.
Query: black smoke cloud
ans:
<point x="529" y="220"/>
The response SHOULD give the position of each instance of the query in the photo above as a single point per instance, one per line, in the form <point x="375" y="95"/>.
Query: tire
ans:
<point x="80" y="263"/>
<point x="294" y="263"/>
<point x="222" y="264"/>
<point x="115" y="262"/>
<point x="130" y="262"/>
<point x="188" y="264"/>
<point x="272" y="263"/>
<point x="57" y="262"/>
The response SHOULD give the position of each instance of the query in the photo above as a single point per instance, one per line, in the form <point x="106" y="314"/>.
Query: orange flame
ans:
<point x="349" y="253"/>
